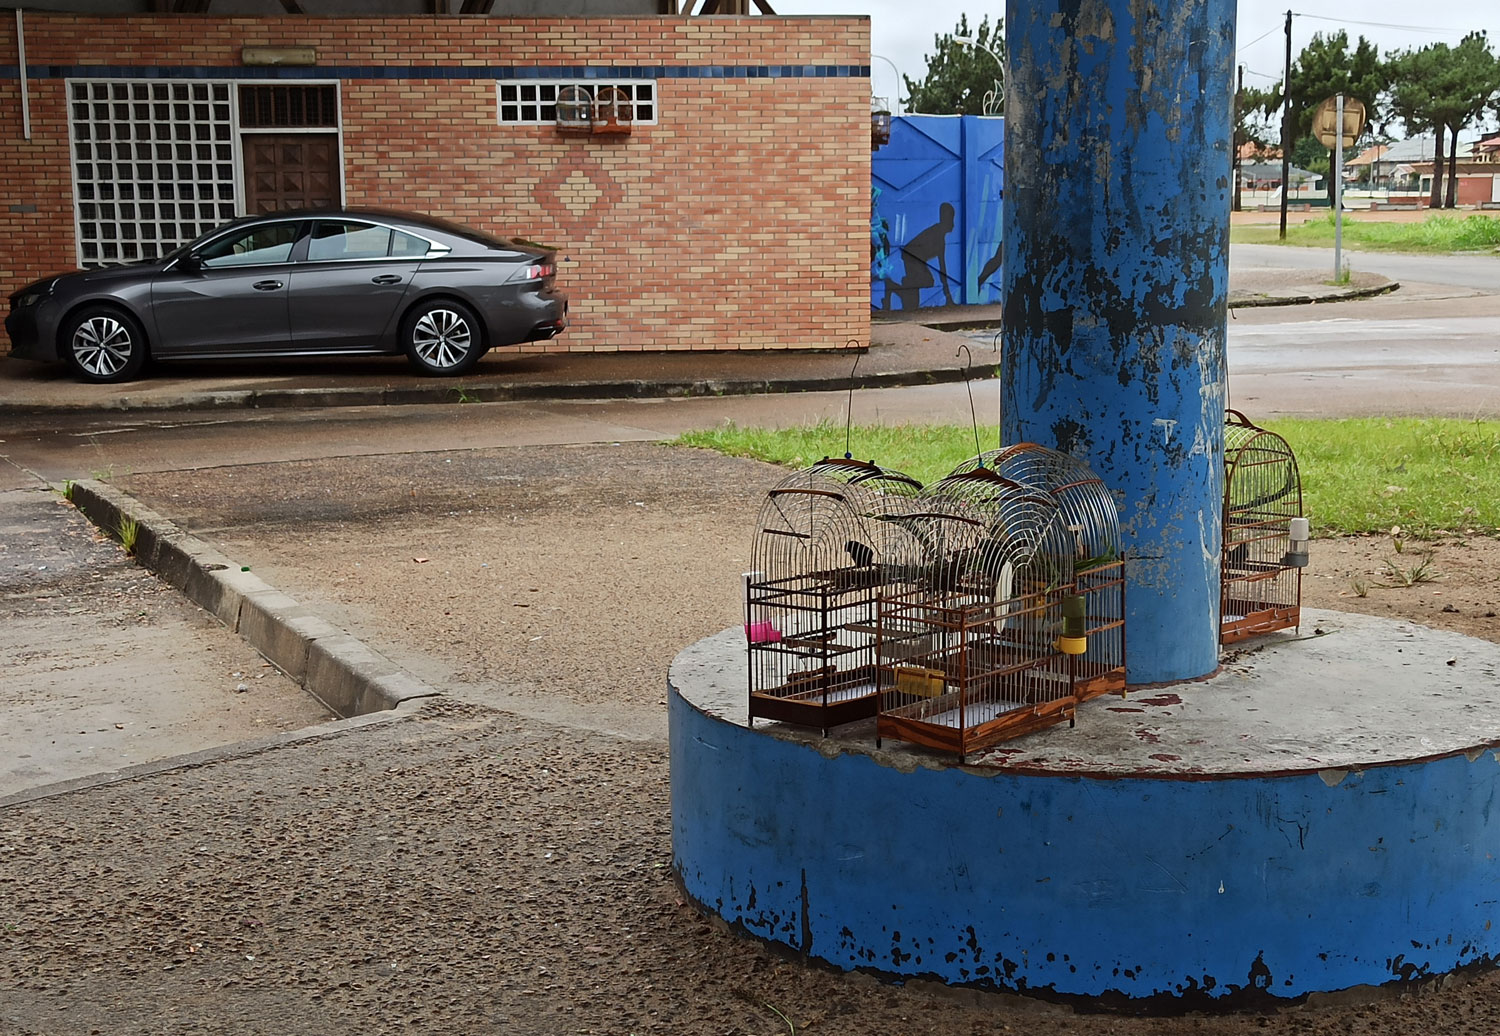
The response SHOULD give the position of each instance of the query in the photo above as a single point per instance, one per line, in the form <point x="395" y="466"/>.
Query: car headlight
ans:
<point x="32" y="295"/>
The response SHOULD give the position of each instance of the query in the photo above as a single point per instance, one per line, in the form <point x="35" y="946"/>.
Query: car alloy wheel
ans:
<point x="103" y="346"/>
<point x="442" y="338"/>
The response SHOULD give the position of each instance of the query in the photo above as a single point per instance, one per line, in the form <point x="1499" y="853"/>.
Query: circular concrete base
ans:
<point x="1317" y="817"/>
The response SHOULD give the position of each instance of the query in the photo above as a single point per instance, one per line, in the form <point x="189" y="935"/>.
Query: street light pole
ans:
<point x="896" y="100"/>
<point x="994" y="101"/>
<point x="1286" y="125"/>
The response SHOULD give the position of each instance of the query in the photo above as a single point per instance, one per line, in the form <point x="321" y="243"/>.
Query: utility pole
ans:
<point x="1286" y="124"/>
<point x="1235" y="137"/>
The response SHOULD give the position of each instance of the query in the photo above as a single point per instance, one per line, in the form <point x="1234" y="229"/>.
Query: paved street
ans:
<point x="1476" y="272"/>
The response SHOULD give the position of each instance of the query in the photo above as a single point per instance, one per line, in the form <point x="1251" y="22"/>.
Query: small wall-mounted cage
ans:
<point x="614" y="111"/>
<point x="1265" y="533"/>
<point x="880" y="123"/>
<point x="575" y="111"/>
<point x="969" y="654"/>
<point x="830" y="540"/>
<point x="1087" y="512"/>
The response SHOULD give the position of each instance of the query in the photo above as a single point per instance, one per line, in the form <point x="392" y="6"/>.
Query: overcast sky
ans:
<point x="902" y="31"/>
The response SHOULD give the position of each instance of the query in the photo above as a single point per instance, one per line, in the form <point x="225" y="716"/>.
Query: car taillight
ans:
<point x="540" y="270"/>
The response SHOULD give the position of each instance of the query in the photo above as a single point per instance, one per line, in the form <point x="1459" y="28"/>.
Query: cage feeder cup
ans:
<point x="1299" y="532"/>
<point x="1074" y="639"/>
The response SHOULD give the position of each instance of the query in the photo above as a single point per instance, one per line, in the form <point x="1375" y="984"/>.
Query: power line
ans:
<point x="1435" y="30"/>
<point x="1247" y="46"/>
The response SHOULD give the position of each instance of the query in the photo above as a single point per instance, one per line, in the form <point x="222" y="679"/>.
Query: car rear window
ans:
<point x="344" y="240"/>
<point x="408" y="245"/>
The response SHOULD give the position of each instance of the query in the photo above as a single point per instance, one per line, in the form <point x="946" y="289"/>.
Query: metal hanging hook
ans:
<point x="963" y="350"/>
<point x="849" y="409"/>
<point x="999" y="380"/>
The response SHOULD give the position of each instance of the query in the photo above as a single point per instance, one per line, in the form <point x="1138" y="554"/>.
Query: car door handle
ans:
<point x="266" y="285"/>
<point x="387" y="278"/>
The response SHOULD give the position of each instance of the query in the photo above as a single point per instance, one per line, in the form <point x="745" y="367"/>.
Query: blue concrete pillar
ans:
<point x="1116" y="227"/>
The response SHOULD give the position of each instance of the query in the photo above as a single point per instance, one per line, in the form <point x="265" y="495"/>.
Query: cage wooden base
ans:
<point x="1243" y="619"/>
<point x="1088" y="686"/>
<point x="938" y="726"/>
<point x="820" y="699"/>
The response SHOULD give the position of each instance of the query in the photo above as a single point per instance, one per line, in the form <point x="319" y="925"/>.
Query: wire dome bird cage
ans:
<point x="969" y="652"/>
<point x="1087" y="511"/>
<point x="829" y="541"/>
<point x="1265" y="533"/>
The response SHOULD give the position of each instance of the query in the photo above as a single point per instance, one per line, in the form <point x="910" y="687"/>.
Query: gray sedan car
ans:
<point x="306" y="283"/>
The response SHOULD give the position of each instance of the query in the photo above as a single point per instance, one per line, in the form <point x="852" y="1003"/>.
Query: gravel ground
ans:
<point x="477" y="869"/>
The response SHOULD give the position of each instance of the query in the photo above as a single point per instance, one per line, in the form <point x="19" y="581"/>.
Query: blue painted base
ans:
<point x="1172" y="890"/>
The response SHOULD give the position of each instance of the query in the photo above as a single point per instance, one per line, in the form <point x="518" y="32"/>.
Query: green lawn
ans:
<point x="1435" y="234"/>
<point x="1366" y="475"/>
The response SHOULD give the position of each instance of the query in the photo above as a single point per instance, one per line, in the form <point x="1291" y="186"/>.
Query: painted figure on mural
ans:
<point x="928" y="246"/>
<point x="882" y="263"/>
<point x="992" y="266"/>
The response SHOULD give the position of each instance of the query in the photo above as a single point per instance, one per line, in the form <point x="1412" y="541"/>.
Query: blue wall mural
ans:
<point x="935" y="205"/>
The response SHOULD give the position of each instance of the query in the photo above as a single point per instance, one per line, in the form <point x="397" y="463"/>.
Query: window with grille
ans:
<point x="532" y="102"/>
<point x="288" y="107"/>
<point x="153" y="165"/>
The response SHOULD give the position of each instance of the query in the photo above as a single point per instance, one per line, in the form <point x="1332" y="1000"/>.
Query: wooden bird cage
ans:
<point x="968" y="652"/>
<point x="575" y="111"/>
<point x="614" y="111"/>
<point x="1088" y="514"/>
<point x="829" y="541"/>
<point x="1265" y="533"/>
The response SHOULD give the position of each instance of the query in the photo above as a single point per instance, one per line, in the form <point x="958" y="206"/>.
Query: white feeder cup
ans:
<point x="1296" y="557"/>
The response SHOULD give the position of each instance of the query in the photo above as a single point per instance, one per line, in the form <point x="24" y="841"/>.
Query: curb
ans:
<point x="497" y="392"/>
<point x="1256" y="301"/>
<point x="348" y="677"/>
<point x="939" y="323"/>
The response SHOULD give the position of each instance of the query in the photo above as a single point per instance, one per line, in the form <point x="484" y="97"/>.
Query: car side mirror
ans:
<point x="192" y="262"/>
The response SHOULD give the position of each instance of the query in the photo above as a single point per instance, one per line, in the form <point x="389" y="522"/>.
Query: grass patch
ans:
<point x="129" y="531"/>
<point x="925" y="452"/>
<point x="1362" y="475"/>
<point x="1375" y="474"/>
<point x="1436" y="234"/>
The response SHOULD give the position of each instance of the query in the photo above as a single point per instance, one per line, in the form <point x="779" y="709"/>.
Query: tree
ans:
<point x="1253" y="109"/>
<point x="1473" y="79"/>
<point x="1444" y="89"/>
<point x="1327" y="67"/>
<point x="960" y="76"/>
<point x="1413" y="82"/>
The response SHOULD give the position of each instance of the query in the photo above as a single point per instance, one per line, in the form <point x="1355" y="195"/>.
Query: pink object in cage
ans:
<point x="762" y="633"/>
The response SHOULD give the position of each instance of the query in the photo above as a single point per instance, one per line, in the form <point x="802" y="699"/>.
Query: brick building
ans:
<point x="733" y="214"/>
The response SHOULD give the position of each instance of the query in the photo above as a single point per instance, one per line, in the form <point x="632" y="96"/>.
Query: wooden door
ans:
<point x="291" y="171"/>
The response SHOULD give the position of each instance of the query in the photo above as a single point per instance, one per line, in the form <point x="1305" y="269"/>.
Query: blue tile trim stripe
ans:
<point x="420" y="72"/>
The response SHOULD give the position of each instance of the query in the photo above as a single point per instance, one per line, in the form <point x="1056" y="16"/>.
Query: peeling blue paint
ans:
<point x="1116" y="284"/>
<point x="1158" y="893"/>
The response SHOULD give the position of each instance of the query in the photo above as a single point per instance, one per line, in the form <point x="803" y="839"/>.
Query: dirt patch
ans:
<point x="1451" y="583"/>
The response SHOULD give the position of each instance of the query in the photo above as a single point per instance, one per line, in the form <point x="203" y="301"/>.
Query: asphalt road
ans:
<point x="1479" y="272"/>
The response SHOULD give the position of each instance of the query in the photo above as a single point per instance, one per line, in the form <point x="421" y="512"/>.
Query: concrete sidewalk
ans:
<point x="906" y="348"/>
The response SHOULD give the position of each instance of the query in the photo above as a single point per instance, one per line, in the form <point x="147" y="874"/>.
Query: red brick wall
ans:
<point x="739" y="221"/>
